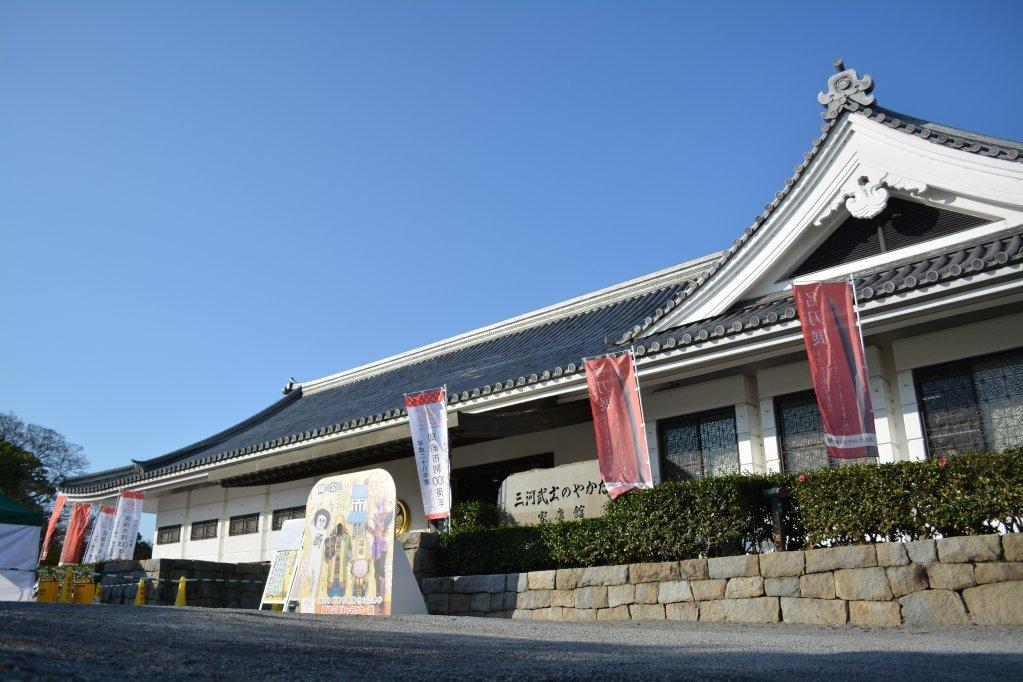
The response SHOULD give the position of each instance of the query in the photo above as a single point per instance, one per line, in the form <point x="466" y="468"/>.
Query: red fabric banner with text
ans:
<point x="618" y="423"/>
<point x="834" y="347"/>
<point x="74" y="539"/>
<point x="58" y="507"/>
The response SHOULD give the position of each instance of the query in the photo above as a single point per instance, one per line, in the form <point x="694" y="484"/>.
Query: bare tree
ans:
<point x="60" y="458"/>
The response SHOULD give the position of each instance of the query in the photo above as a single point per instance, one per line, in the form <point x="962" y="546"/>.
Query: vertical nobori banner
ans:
<point x="74" y="538"/>
<point x="838" y="364"/>
<point x="618" y="423"/>
<point x="100" y="539"/>
<point x="428" y="419"/>
<point x="58" y="507"/>
<point x="126" y="526"/>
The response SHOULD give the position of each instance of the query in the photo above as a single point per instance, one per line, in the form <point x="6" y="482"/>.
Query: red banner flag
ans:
<point x="58" y="507"/>
<point x="618" y="423"/>
<point x="74" y="539"/>
<point x="834" y="347"/>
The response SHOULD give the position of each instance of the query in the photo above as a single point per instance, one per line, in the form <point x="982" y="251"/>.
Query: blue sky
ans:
<point x="201" y="199"/>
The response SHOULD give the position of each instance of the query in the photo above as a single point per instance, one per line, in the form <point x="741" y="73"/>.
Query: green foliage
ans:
<point x="475" y="515"/>
<point x="23" y="476"/>
<point x="79" y="572"/>
<point x="728" y="515"/>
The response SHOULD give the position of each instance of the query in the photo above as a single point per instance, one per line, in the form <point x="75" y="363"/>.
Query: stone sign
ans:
<point x="563" y="493"/>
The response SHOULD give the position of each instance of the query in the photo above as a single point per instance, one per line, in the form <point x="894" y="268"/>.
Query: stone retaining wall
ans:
<point x="961" y="580"/>
<point x="162" y="588"/>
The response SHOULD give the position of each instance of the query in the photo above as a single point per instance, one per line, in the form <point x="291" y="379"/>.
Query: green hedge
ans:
<point x="731" y="515"/>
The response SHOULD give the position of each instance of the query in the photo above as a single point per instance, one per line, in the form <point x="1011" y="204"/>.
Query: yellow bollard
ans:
<point x="67" y="589"/>
<point x="140" y="593"/>
<point x="182" y="598"/>
<point x="48" y="591"/>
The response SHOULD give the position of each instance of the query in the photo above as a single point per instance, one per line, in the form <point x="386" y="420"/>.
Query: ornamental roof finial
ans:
<point x="846" y="90"/>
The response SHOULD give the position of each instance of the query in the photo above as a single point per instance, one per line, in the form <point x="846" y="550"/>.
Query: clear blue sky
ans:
<point x="201" y="199"/>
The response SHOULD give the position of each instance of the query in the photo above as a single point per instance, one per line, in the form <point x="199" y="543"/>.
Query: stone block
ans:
<point x="875" y="613"/>
<point x="814" y="611"/>
<point x="998" y="572"/>
<point x="682" y="611"/>
<point x="969" y="548"/>
<point x="614" y="613"/>
<point x="511" y="601"/>
<point x="521" y="582"/>
<point x="1012" y="546"/>
<point x="694" y="569"/>
<point x="534" y="599"/>
<point x="646" y="611"/>
<point x="646" y="593"/>
<point x="563" y="598"/>
<point x="733" y="566"/>
<point x="437" y="585"/>
<point x="781" y="587"/>
<point x="781" y="564"/>
<point x="950" y="576"/>
<point x="604" y="575"/>
<point x="497" y="602"/>
<point x="756" y="610"/>
<point x="922" y="551"/>
<point x="675" y="591"/>
<point x="498" y="614"/>
<point x="654" y="573"/>
<point x="522" y="614"/>
<point x="437" y="604"/>
<point x="832" y="558"/>
<point x="891" y="554"/>
<point x="480" y="602"/>
<point x="817" y="586"/>
<point x="541" y="580"/>
<point x="579" y="614"/>
<point x="458" y="603"/>
<point x="907" y="579"/>
<point x="549" y="613"/>
<point x="862" y="584"/>
<point x="744" y="588"/>
<point x="618" y="595"/>
<point x="996" y="603"/>
<point x="568" y="578"/>
<point x="704" y="590"/>
<point x="933" y="607"/>
<point x="471" y="584"/>
<point x="594" y="597"/>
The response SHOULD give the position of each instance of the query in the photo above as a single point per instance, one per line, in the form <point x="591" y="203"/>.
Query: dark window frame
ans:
<point x="285" y="514"/>
<point x="696" y="419"/>
<point x="200" y="530"/>
<point x="243" y="524"/>
<point x="163" y="534"/>
<point x="795" y="398"/>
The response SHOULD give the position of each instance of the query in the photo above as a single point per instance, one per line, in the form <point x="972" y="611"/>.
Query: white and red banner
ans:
<point x="618" y="423"/>
<point x="125" y="526"/>
<point x="74" y="538"/>
<point x="838" y="364"/>
<point x="427" y="416"/>
<point x="58" y="507"/>
<point x="100" y="539"/>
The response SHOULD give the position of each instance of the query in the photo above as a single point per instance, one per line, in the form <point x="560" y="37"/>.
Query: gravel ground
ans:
<point x="52" y="641"/>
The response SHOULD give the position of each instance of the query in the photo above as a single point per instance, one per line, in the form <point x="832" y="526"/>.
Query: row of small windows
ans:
<point x="245" y="524"/>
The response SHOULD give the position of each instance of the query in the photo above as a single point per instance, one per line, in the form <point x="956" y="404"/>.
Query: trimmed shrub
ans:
<point x="967" y="495"/>
<point x="475" y="515"/>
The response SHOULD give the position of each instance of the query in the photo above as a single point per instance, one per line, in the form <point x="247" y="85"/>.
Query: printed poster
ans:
<point x="838" y="364"/>
<point x="126" y="526"/>
<point x="100" y="538"/>
<point x="347" y="558"/>
<point x="427" y="416"/>
<point x="618" y="423"/>
<point x="282" y="569"/>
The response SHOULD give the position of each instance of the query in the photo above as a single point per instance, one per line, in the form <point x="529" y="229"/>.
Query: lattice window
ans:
<point x="246" y="524"/>
<point x="973" y="405"/>
<point x="801" y="433"/>
<point x="168" y="535"/>
<point x="698" y="445"/>
<point x="204" y="530"/>
<point x="287" y="514"/>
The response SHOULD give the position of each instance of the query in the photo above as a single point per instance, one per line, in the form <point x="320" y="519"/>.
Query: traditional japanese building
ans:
<point x="926" y="218"/>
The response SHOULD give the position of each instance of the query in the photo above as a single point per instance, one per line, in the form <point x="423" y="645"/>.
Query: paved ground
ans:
<point x="101" y="642"/>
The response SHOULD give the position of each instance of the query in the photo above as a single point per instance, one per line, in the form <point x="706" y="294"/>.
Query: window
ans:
<point x="801" y="434"/>
<point x="204" y="530"/>
<point x="973" y="405"/>
<point x="483" y="481"/>
<point x="168" y="535"/>
<point x="287" y="514"/>
<point x="245" y="524"/>
<point x="694" y="446"/>
<point x="902" y="223"/>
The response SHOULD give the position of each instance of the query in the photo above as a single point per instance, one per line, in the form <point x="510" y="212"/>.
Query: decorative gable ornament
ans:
<point x="868" y="198"/>
<point x="846" y="90"/>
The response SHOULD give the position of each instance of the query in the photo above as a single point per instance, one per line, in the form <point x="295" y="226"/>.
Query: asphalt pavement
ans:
<point x="51" y="641"/>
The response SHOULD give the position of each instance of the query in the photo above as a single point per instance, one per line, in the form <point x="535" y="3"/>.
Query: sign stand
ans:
<point x="406" y="597"/>
<point x="282" y="568"/>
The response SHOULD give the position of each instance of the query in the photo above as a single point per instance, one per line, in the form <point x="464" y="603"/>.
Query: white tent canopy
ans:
<point x="19" y="550"/>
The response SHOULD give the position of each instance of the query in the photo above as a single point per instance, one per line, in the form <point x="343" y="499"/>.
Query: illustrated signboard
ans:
<point x="282" y="568"/>
<point x="563" y="493"/>
<point x="347" y="557"/>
